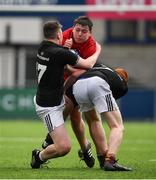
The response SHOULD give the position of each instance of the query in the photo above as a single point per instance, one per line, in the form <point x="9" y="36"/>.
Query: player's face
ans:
<point x="81" y="33"/>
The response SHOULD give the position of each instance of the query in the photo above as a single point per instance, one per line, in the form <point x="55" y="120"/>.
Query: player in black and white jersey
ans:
<point x="49" y="101"/>
<point x="101" y="87"/>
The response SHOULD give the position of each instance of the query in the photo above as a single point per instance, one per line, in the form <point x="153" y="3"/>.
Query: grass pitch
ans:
<point x="18" y="138"/>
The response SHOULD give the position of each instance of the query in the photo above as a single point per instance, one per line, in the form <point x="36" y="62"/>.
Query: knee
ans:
<point x="118" y="127"/>
<point x="64" y="148"/>
<point x="121" y="128"/>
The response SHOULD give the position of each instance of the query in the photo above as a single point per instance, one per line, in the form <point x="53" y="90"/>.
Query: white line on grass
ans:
<point x="140" y="141"/>
<point x="152" y="160"/>
<point x="20" y="139"/>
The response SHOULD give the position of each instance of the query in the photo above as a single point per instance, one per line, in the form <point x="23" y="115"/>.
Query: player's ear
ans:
<point x="60" y="37"/>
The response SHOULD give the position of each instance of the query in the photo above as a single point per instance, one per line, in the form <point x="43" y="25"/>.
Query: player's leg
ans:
<point x="98" y="135"/>
<point x="54" y="122"/>
<point x="115" y="123"/>
<point x="61" y="144"/>
<point x="68" y="108"/>
<point x="60" y="147"/>
<point x="105" y="104"/>
<point x="78" y="127"/>
<point x="116" y="126"/>
<point x="77" y="122"/>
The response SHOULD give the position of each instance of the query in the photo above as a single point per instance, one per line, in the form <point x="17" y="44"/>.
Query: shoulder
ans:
<point x="54" y="48"/>
<point x="67" y="54"/>
<point x="67" y="33"/>
<point x="63" y="55"/>
<point x="88" y="48"/>
<point x="90" y="43"/>
<point x="56" y="51"/>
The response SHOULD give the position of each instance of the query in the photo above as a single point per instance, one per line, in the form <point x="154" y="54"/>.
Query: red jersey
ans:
<point x="85" y="49"/>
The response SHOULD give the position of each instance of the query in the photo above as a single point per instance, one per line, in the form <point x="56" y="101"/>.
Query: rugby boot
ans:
<point x="87" y="156"/>
<point x="35" y="161"/>
<point x="112" y="165"/>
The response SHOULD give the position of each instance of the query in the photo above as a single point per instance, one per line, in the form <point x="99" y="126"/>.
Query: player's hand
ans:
<point x="68" y="43"/>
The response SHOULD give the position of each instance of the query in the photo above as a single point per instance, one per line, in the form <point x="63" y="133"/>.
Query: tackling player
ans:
<point x="49" y="101"/>
<point x="101" y="86"/>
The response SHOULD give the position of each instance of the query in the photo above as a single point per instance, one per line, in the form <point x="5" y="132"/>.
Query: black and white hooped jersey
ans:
<point x="51" y="59"/>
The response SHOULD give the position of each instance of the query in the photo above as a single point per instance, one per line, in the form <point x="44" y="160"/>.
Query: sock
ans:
<point x="40" y="157"/>
<point x="110" y="157"/>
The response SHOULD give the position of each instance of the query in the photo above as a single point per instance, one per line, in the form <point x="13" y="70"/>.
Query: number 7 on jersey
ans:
<point x="40" y="71"/>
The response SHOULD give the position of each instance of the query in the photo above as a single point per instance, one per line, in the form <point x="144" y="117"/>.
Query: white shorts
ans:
<point x="51" y="116"/>
<point x="94" y="92"/>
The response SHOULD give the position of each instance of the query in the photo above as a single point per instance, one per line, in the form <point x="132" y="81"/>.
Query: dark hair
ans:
<point x="51" y="28"/>
<point x="84" y="21"/>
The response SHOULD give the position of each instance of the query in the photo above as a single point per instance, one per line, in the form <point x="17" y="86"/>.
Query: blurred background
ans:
<point x="126" y="29"/>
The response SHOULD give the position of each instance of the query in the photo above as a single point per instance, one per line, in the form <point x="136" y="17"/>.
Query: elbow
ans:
<point x="91" y="65"/>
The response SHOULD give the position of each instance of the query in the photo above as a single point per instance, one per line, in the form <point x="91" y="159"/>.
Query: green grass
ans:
<point x="18" y="138"/>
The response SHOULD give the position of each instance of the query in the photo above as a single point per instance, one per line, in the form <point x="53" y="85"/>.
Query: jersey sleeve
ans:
<point x="90" y="51"/>
<point x="68" y="57"/>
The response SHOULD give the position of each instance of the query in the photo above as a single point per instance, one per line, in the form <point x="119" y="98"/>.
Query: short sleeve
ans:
<point x="68" y="57"/>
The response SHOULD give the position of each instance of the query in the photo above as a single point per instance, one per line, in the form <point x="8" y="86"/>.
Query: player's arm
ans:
<point x="90" y="61"/>
<point x="72" y="73"/>
<point x="84" y="64"/>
